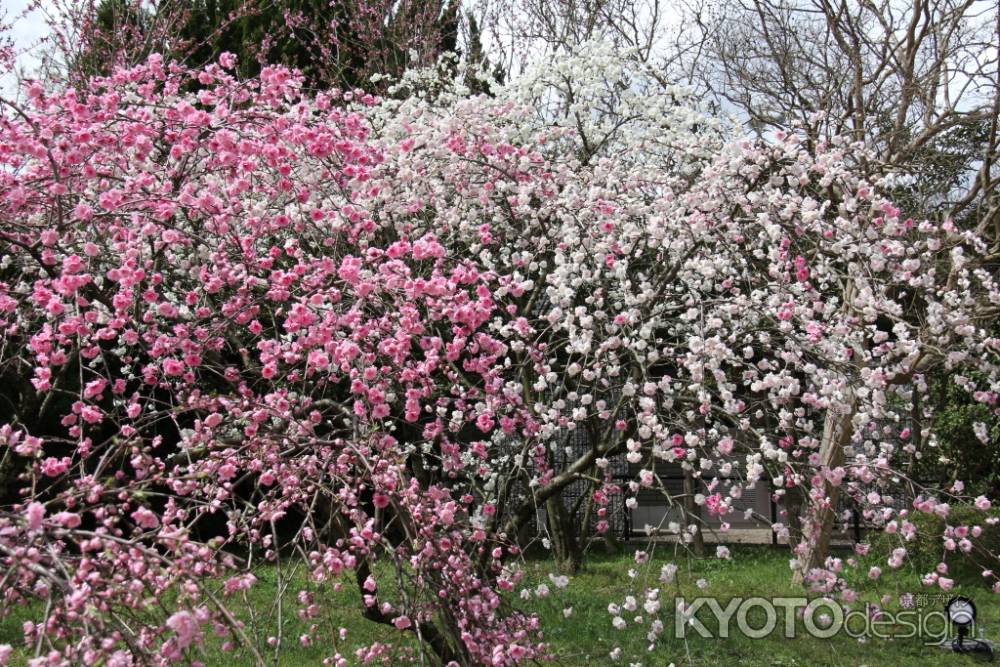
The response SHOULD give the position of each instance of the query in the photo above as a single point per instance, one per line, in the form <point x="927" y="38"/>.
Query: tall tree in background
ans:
<point x="918" y="82"/>
<point x="332" y="43"/>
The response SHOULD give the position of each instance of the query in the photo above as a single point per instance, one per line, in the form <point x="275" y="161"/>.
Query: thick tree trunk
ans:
<point x="692" y="513"/>
<point x="838" y="428"/>
<point x="562" y="533"/>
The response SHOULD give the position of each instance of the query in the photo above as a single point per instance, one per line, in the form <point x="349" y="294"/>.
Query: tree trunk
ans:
<point x="562" y="533"/>
<point x="794" y="499"/>
<point x="612" y="544"/>
<point x="838" y="427"/>
<point x="588" y="512"/>
<point x="692" y="513"/>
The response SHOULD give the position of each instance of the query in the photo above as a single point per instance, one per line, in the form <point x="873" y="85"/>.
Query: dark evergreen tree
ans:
<point x="331" y="43"/>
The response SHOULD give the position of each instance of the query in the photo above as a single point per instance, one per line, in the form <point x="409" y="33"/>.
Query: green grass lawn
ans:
<point x="587" y="636"/>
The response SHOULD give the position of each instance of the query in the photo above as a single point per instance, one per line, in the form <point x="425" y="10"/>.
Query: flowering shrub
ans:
<point x="243" y="323"/>
<point x="966" y="540"/>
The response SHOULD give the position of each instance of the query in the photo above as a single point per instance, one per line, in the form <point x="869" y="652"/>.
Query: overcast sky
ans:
<point x="27" y="31"/>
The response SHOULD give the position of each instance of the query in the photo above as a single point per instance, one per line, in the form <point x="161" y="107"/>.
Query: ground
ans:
<point x="587" y="636"/>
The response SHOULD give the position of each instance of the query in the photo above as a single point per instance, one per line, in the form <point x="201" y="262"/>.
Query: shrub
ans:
<point x="927" y="548"/>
